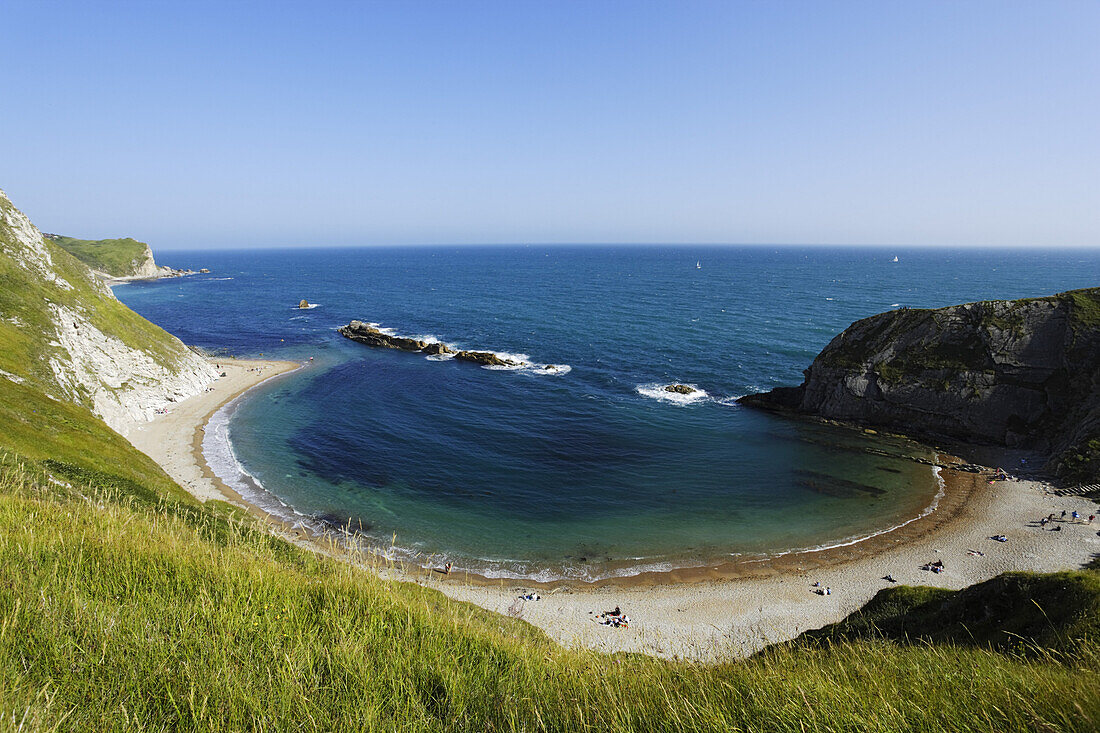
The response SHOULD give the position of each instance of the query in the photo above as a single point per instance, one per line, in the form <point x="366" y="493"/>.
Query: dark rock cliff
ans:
<point x="1022" y="373"/>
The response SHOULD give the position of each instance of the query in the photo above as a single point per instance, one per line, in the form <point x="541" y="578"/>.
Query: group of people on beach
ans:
<point x="615" y="618"/>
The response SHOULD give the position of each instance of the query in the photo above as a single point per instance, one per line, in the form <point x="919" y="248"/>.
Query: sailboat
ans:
<point x="895" y="259"/>
<point x="697" y="265"/>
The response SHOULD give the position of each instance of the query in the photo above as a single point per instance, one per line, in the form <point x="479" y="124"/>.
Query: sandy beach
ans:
<point x="169" y="439"/>
<point x="711" y="614"/>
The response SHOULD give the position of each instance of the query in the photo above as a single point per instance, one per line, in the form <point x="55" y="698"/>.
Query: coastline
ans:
<point x="709" y="613"/>
<point x="170" y="439"/>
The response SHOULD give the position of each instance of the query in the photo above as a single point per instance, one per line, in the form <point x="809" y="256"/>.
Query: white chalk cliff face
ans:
<point x="147" y="267"/>
<point x="90" y="348"/>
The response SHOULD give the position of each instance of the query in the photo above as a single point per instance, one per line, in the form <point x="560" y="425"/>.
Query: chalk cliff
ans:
<point x="62" y="330"/>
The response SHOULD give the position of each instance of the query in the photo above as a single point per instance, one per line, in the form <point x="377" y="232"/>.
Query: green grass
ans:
<point x="27" y="323"/>
<point x="117" y="613"/>
<point x="117" y="257"/>
<point x="1026" y="612"/>
<point x="127" y="605"/>
<point x="124" y="604"/>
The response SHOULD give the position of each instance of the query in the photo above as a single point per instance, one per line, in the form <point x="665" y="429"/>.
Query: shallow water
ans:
<point x="589" y="468"/>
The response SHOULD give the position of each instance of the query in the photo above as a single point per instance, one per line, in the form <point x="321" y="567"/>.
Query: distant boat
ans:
<point x="895" y="258"/>
<point x="698" y="266"/>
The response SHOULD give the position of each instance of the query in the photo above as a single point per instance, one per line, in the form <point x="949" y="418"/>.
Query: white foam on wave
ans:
<point x="550" y="369"/>
<point x="658" y="392"/>
<point x="310" y="306"/>
<point x="217" y="450"/>
<point x="523" y="362"/>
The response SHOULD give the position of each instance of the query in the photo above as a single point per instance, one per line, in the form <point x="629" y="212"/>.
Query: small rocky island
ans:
<point x="681" y="389"/>
<point x="303" y="304"/>
<point x="1023" y="373"/>
<point x="370" y="335"/>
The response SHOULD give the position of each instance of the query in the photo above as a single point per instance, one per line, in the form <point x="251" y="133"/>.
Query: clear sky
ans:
<point x="195" y="124"/>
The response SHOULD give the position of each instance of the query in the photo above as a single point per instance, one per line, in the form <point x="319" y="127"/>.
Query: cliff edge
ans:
<point x="63" y="332"/>
<point x="116" y="259"/>
<point x="1022" y="373"/>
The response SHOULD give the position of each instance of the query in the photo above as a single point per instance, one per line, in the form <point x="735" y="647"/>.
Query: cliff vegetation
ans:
<point x="125" y="604"/>
<point x="115" y="257"/>
<point x="1022" y="374"/>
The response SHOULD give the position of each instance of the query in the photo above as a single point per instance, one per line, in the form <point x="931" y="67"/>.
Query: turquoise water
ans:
<point x="588" y="469"/>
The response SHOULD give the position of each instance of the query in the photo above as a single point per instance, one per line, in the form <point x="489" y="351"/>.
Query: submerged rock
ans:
<point x="680" y="389"/>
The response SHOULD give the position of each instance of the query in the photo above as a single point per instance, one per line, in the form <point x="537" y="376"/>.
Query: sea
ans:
<point x="577" y="465"/>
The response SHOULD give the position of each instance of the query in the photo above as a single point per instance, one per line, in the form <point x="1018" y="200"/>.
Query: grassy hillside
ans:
<point x="125" y="604"/>
<point x="30" y="290"/>
<point x="1026" y="612"/>
<point x="117" y="257"/>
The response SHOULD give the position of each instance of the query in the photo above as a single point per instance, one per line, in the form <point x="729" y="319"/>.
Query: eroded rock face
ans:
<point x="123" y="369"/>
<point x="364" y="333"/>
<point x="485" y="358"/>
<point x="680" y="389"/>
<point x="1016" y="373"/>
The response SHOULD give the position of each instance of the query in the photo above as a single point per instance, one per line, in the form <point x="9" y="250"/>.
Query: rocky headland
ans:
<point x="1021" y="374"/>
<point x="117" y="260"/>
<point x="65" y="333"/>
<point x="370" y="335"/>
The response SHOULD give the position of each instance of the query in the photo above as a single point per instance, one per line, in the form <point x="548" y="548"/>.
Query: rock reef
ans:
<point x="1022" y="373"/>
<point x="370" y="335"/>
<point x="681" y="389"/>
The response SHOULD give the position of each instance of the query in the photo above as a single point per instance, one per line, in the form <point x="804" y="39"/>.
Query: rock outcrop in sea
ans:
<point x="370" y="335"/>
<point x="1022" y="373"/>
<point x="680" y="389"/>
<point x="117" y="260"/>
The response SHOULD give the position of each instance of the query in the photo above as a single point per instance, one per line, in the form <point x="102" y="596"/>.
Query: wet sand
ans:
<point x="720" y="611"/>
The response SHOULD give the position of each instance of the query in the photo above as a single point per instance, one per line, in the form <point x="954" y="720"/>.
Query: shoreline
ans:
<point x="709" y="613"/>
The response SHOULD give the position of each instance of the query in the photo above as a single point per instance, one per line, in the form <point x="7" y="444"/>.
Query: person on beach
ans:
<point x="1075" y="515"/>
<point x="1063" y="515"/>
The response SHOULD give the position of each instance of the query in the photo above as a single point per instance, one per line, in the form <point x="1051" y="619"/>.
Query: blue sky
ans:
<point x="247" y="124"/>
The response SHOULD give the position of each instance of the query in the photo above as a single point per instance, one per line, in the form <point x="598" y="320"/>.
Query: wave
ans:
<point x="522" y="363"/>
<point x="658" y="392"/>
<point x="309" y="307"/>
<point x="217" y="450"/>
<point x="220" y="456"/>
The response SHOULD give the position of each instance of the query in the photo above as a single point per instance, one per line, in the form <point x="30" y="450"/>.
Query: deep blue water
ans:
<point x="582" y="471"/>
